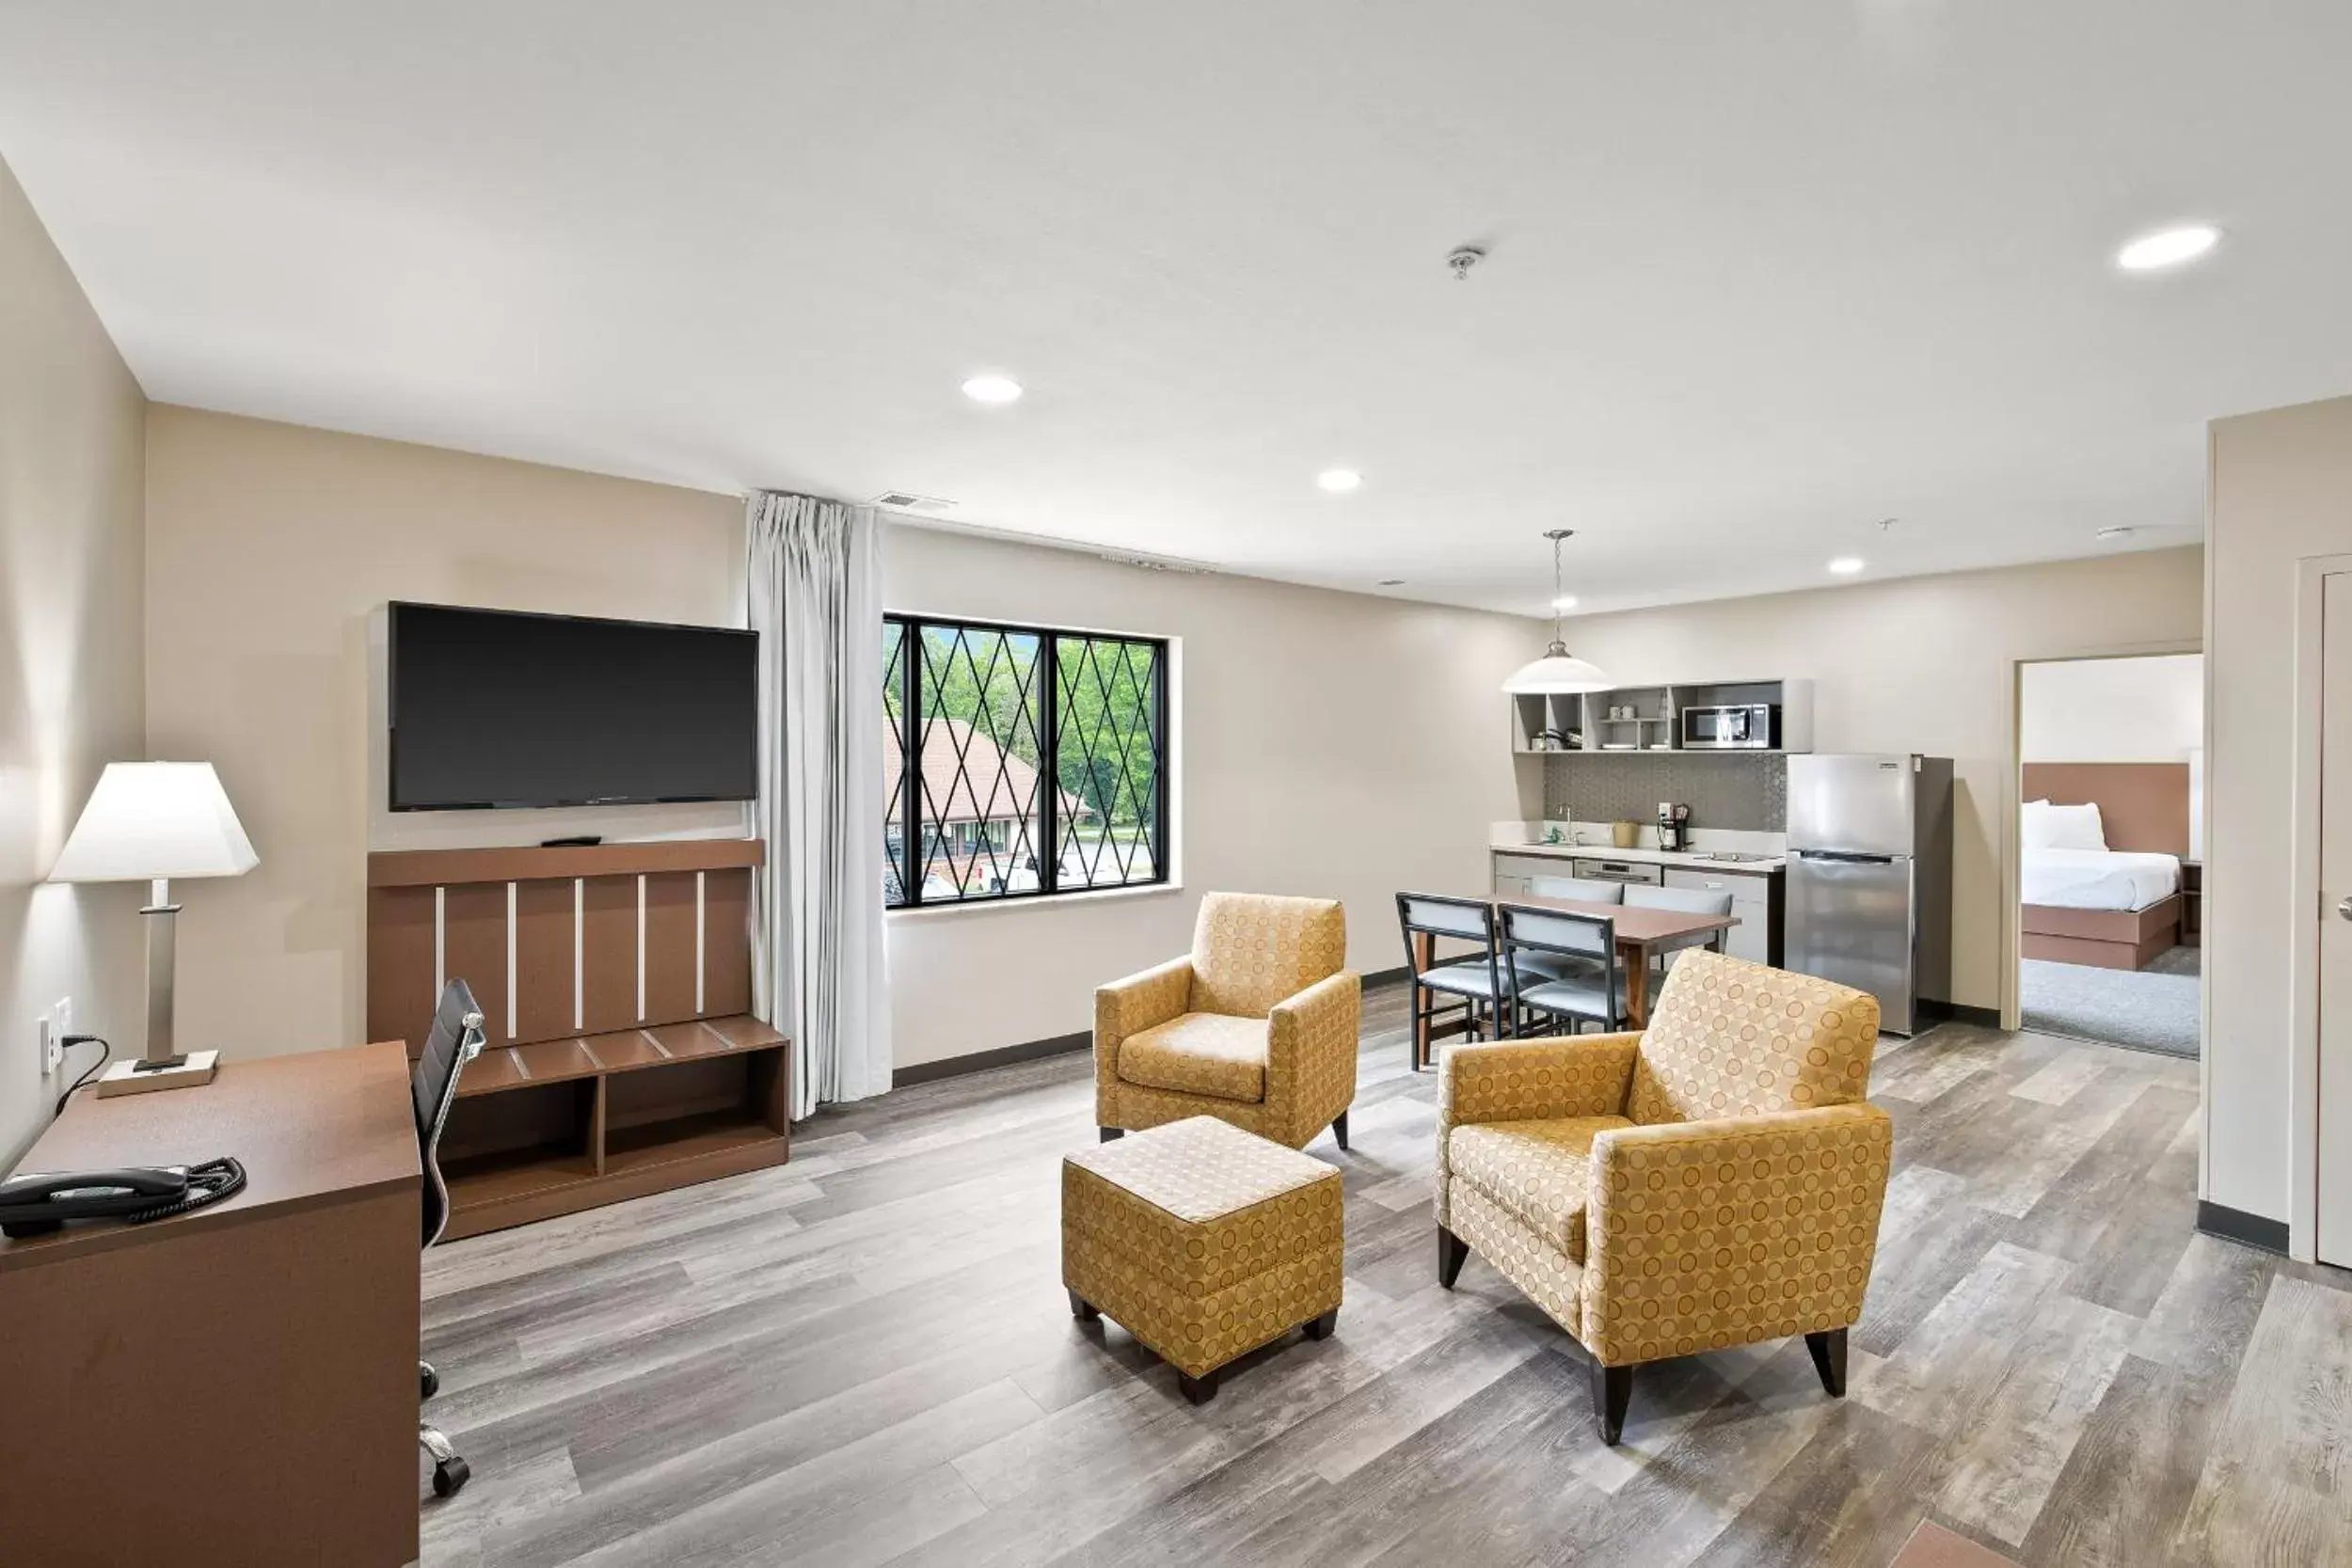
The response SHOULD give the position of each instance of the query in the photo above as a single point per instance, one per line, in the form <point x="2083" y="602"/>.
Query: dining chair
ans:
<point x="1474" y="980"/>
<point x="1578" y="977"/>
<point x="1689" y="900"/>
<point x="1584" y="890"/>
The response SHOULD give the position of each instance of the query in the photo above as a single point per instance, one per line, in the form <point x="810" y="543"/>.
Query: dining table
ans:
<point x="1640" y="933"/>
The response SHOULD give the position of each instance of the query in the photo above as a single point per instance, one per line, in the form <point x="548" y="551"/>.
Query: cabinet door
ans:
<point x="1751" y="902"/>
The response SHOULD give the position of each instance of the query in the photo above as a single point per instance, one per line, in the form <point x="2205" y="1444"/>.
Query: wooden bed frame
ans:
<point x="2144" y="807"/>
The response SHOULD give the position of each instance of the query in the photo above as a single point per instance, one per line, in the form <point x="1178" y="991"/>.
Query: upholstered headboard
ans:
<point x="2143" y="805"/>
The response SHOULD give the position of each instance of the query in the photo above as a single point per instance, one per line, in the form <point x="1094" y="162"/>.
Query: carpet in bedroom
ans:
<point x="2150" y="1009"/>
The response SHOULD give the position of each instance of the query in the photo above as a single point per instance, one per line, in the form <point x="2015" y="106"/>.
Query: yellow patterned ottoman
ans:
<point x="1203" y="1241"/>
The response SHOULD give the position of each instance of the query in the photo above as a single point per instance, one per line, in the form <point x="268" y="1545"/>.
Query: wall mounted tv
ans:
<point x="493" y="708"/>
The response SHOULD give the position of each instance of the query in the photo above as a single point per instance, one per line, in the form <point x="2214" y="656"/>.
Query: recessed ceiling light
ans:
<point x="1565" y="601"/>
<point x="992" y="389"/>
<point x="2168" y="247"/>
<point x="2118" y="531"/>
<point x="1846" y="565"/>
<point x="1391" y="582"/>
<point x="1338" y="481"/>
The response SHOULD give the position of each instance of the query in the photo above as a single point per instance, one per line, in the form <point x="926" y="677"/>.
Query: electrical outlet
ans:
<point x="44" y="1028"/>
<point x="63" y="1015"/>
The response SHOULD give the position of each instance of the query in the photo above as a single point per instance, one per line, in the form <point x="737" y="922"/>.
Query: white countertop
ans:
<point x="1524" y="839"/>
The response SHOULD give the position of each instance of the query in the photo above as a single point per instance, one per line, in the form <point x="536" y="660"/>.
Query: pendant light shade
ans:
<point x="1558" y="672"/>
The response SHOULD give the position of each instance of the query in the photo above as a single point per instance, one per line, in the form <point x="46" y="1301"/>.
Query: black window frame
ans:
<point x="907" y="810"/>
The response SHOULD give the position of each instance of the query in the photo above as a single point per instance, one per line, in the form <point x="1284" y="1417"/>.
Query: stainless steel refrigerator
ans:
<point x="1869" y="881"/>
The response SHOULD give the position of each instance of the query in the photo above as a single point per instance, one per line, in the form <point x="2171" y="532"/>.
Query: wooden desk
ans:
<point x="1640" y="933"/>
<point x="234" y="1385"/>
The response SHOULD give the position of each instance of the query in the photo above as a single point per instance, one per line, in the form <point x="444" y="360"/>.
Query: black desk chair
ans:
<point x="455" y="1040"/>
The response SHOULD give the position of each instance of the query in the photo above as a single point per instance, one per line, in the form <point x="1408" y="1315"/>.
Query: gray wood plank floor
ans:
<point x="865" y="1357"/>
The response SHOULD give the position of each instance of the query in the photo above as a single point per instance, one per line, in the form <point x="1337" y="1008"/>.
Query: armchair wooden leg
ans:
<point x="1452" y="1250"/>
<point x="1320" y="1327"/>
<point x="1198" y="1390"/>
<point x="1083" y="1310"/>
<point x="1111" y="1132"/>
<point x="1339" y="1130"/>
<point x="1829" y="1359"/>
<point x="1612" y="1392"/>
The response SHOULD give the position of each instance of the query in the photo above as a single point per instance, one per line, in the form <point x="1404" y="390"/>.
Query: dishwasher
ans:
<point x="1621" y="871"/>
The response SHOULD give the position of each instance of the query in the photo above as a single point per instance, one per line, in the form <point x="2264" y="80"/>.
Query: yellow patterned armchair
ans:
<point x="1713" y="1181"/>
<point x="1257" y="1027"/>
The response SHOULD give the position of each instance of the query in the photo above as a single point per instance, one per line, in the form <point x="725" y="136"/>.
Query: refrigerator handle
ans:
<point x="1846" y="856"/>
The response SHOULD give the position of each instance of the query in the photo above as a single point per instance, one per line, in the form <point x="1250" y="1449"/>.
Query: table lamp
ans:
<point x="151" y="822"/>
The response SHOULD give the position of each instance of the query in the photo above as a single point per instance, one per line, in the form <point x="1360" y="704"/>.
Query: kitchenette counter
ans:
<point x="1522" y="864"/>
<point x="1751" y="863"/>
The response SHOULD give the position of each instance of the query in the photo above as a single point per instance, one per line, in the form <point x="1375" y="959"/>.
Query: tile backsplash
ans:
<point x="1723" y="791"/>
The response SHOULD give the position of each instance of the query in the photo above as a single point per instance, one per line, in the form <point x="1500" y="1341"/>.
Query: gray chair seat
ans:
<point x="1576" y="996"/>
<point x="1469" y="979"/>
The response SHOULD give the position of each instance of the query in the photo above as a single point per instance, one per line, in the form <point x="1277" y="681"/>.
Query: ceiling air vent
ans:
<point x="907" y="500"/>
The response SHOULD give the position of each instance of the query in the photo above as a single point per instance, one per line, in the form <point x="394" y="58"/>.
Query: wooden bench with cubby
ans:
<point x="621" y="1054"/>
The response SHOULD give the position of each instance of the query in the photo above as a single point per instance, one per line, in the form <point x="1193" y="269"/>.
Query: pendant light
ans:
<point x="1558" y="672"/>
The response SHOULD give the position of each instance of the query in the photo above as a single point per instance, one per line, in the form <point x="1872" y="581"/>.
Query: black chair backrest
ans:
<point x="454" y="1040"/>
<point x="1579" y="936"/>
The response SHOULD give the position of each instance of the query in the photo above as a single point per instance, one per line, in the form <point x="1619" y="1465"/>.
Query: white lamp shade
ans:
<point x="155" y="820"/>
<point x="1557" y="674"/>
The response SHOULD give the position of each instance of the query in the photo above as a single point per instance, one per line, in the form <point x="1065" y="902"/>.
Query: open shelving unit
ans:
<point x="1583" y="725"/>
<point x="621" y="1057"/>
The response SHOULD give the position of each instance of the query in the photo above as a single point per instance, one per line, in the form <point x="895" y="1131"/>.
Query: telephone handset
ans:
<point x="37" y="1202"/>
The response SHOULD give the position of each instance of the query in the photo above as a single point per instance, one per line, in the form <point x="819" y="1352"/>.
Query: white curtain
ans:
<point x="815" y="589"/>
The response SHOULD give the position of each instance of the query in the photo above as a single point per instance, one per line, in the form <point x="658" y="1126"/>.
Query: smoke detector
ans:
<point x="1462" y="257"/>
<point x="907" y="500"/>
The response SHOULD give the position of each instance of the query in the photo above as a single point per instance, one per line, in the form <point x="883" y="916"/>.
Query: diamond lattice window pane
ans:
<point x="1109" y="761"/>
<point x="979" y="719"/>
<point x="893" y="764"/>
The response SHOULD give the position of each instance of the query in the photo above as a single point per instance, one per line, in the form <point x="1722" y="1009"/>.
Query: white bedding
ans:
<point x="2097" y="879"/>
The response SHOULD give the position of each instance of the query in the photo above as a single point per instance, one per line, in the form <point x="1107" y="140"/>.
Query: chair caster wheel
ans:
<point x="428" y="1384"/>
<point x="449" y="1475"/>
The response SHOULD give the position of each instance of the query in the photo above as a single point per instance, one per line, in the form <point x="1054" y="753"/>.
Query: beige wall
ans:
<point x="2113" y="709"/>
<point x="1922" y="664"/>
<point x="70" y="658"/>
<point x="2282" y="490"/>
<point x="1332" y="744"/>
<point x="271" y="550"/>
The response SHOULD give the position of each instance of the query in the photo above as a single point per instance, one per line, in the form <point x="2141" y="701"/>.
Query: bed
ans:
<point x="2102" y="886"/>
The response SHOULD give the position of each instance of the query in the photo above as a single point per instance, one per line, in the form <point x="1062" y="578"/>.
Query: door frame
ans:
<point x="2310" y="575"/>
<point x="2013" y="792"/>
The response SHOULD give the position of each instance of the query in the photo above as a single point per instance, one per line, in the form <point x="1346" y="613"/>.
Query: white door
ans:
<point x="2335" y="921"/>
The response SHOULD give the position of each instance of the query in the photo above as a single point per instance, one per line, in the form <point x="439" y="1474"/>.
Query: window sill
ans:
<point x="1055" y="901"/>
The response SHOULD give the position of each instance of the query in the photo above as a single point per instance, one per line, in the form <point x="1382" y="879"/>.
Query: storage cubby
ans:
<point x="1542" y="725"/>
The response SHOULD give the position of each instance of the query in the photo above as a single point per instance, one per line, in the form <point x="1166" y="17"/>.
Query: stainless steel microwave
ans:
<point x="1743" y="727"/>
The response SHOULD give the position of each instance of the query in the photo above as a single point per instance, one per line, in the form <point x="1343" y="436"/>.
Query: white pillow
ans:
<point x="2049" y="827"/>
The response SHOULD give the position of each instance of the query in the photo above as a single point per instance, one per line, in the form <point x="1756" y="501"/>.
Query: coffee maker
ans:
<point x="1673" y="826"/>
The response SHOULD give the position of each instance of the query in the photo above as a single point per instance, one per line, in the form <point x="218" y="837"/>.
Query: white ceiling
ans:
<point x="1759" y="275"/>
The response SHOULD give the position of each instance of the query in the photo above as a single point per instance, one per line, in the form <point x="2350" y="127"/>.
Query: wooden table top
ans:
<point x="1636" y="924"/>
<point x="314" y="1129"/>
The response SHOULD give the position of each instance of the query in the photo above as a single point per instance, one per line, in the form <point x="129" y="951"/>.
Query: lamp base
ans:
<point x="139" y="1076"/>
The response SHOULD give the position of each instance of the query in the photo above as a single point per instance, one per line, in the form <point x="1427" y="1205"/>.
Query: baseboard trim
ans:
<point x="1387" y="976"/>
<point x="980" y="1061"/>
<point x="2236" y="1224"/>
<point x="1961" y="1012"/>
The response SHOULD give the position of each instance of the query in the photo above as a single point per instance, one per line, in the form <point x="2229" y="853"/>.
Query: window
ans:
<point x="980" y="706"/>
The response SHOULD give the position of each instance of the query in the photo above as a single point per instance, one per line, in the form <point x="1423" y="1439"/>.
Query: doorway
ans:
<point x="2110" y="850"/>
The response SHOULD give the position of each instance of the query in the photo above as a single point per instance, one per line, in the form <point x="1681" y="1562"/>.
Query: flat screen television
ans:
<point x="494" y="708"/>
